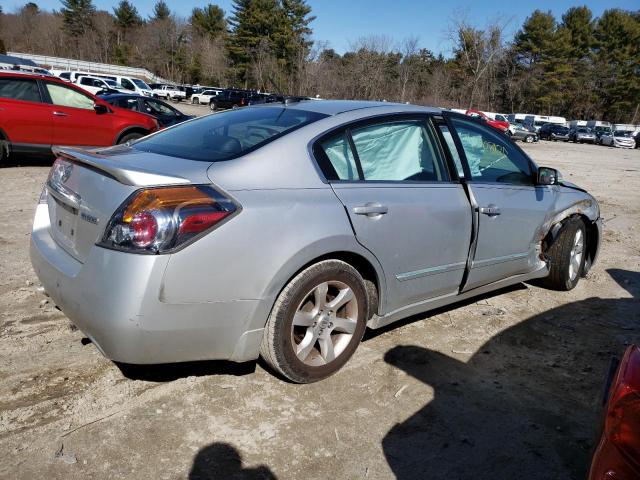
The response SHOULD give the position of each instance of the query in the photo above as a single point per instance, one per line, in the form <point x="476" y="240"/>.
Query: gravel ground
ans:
<point x="505" y="386"/>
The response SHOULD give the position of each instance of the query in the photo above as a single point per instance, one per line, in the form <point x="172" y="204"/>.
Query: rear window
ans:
<point x="19" y="89"/>
<point x="227" y="135"/>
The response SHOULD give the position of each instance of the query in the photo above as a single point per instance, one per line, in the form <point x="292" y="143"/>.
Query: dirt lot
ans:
<point x="504" y="387"/>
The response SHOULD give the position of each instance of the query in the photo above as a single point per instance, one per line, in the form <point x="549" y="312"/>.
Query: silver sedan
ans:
<point x="285" y="230"/>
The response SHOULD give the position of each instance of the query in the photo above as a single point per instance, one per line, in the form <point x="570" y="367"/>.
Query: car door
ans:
<point x="403" y="202"/>
<point x="75" y="122"/>
<point x="24" y="117"/>
<point x="165" y="115"/>
<point x="510" y="208"/>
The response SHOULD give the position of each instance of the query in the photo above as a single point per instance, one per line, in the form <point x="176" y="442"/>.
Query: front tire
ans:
<point x="566" y="256"/>
<point x="529" y="139"/>
<point x="130" y="137"/>
<point x="212" y="106"/>
<point x="317" y="322"/>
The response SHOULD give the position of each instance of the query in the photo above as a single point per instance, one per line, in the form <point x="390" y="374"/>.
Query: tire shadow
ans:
<point x="526" y="405"/>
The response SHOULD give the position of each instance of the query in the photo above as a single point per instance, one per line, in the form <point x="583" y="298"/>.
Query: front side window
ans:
<point x="228" y="134"/>
<point x="68" y="97"/>
<point x="402" y="150"/>
<point x="19" y="89"/>
<point x="127" y="84"/>
<point x="156" y="108"/>
<point x="140" y="84"/>
<point x="490" y="158"/>
<point x="128" y="103"/>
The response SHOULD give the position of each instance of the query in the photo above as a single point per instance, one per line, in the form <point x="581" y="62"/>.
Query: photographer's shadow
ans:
<point x="526" y="405"/>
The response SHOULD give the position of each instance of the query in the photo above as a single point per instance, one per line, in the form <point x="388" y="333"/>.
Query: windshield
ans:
<point x="111" y="83"/>
<point x="621" y="133"/>
<point x="584" y="130"/>
<point x="140" y="84"/>
<point x="227" y="135"/>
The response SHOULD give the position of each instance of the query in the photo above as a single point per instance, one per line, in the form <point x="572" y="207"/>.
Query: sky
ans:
<point x="343" y="22"/>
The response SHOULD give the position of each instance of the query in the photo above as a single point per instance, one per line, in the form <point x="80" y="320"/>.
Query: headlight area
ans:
<point x="164" y="219"/>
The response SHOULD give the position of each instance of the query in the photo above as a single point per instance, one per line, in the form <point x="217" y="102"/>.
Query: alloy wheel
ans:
<point x="324" y="323"/>
<point x="576" y="255"/>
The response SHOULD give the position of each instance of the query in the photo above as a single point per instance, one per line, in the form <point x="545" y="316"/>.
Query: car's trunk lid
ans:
<point x="85" y="188"/>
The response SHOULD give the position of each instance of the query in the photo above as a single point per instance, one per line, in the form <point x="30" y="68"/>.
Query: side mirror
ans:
<point x="100" y="108"/>
<point x="548" y="176"/>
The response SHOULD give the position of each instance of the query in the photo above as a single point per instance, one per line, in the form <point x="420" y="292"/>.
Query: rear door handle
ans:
<point x="371" y="209"/>
<point x="60" y="114"/>
<point x="490" y="210"/>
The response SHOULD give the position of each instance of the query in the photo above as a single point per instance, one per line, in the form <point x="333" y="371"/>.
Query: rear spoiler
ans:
<point x="126" y="175"/>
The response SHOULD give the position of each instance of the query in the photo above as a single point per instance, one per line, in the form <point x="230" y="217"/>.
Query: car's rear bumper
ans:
<point x="115" y="298"/>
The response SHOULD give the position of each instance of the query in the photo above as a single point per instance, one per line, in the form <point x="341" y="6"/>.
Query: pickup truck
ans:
<point x="205" y="96"/>
<point x="170" y="92"/>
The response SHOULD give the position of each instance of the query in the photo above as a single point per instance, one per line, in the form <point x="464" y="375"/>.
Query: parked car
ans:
<point x="248" y="232"/>
<point x="619" y="138"/>
<point x="37" y="112"/>
<point x="636" y="138"/>
<point x="599" y="131"/>
<point x="617" y="454"/>
<point x="170" y="92"/>
<point x="231" y="99"/>
<point x="551" y="131"/>
<point x="500" y="125"/>
<point x="581" y="135"/>
<point x="164" y="113"/>
<point x="204" y="97"/>
<point x="95" y="85"/>
<point x="520" y="132"/>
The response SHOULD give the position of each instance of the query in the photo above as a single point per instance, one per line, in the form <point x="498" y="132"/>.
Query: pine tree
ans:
<point x="126" y="15"/>
<point x="77" y="16"/>
<point x="617" y="63"/>
<point x="161" y="11"/>
<point x="208" y="20"/>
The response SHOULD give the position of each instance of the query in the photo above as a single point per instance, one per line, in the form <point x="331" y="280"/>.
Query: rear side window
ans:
<point x="399" y="151"/>
<point x="339" y="154"/>
<point x="19" y="89"/>
<point x="68" y="97"/>
<point x="227" y="135"/>
<point x="65" y="75"/>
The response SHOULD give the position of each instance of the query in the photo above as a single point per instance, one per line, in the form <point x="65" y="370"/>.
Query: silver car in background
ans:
<point x="284" y="230"/>
<point x="618" y="138"/>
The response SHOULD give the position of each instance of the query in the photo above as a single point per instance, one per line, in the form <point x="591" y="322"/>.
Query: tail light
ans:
<point x="163" y="219"/>
<point x="622" y="423"/>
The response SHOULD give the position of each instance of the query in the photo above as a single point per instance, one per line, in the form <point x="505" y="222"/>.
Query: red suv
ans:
<point x="38" y="111"/>
<point x="502" y="125"/>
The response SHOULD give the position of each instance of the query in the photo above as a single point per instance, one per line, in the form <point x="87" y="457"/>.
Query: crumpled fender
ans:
<point x="567" y="205"/>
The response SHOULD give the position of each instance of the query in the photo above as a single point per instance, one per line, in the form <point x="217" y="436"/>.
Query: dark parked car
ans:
<point x="232" y="99"/>
<point x="582" y="134"/>
<point x="551" y="131"/>
<point x="161" y="111"/>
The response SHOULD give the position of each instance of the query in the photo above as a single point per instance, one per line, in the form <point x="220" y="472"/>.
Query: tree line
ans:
<point x="577" y="66"/>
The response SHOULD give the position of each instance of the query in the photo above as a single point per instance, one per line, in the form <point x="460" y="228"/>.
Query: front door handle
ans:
<point x="490" y="210"/>
<point x="60" y="114"/>
<point x="371" y="209"/>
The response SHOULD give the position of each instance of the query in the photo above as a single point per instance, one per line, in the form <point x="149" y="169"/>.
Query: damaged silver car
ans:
<point x="285" y="230"/>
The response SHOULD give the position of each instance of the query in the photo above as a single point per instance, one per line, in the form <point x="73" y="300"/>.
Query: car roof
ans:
<point x="335" y="107"/>
<point x="23" y="74"/>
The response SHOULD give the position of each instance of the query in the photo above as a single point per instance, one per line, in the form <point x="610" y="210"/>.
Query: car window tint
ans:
<point x="127" y="84"/>
<point x="398" y="151"/>
<point x="228" y="134"/>
<point x="490" y="157"/>
<point x="67" y="97"/>
<point x="128" y="103"/>
<point x="19" y="89"/>
<point x="446" y="133"/>
<point x="339" y="154"/>
<point x="157" y="108"/>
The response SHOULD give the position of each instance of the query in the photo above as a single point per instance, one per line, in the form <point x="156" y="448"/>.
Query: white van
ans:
<point x="133" y="84"/>
<point x="96" y="84"/>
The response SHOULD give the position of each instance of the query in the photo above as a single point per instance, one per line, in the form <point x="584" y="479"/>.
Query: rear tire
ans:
<point x="529" y="139"/>
<point x="130" y="137"/>
<point x="328" y="302"/>
<point x="195" y="101"/>
<point x="566" y="256"/>
<point x="212" y="106"/>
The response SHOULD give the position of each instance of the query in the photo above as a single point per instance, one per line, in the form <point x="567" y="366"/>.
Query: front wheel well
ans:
<point x="129" y="131"/>
<point x="591" y="230"/>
